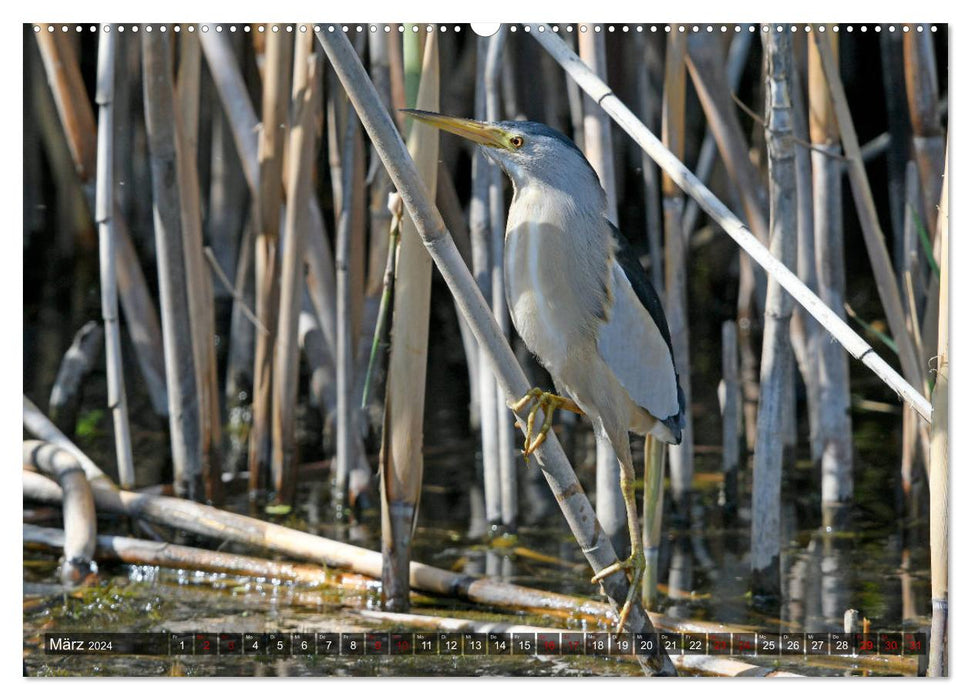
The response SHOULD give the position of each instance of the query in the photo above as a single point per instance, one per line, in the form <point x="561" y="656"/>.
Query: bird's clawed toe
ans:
<point x="548" y="402"/>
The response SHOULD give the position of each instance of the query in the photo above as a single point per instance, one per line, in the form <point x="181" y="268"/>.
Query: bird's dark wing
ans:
<point x="649" y="300"/>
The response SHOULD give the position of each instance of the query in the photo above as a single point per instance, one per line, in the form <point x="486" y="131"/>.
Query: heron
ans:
<point x="581" y="302"/>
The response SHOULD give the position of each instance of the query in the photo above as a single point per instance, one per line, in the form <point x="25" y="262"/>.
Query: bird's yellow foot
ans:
<point x="636" y="564"/>
<point x="548" y="402"/>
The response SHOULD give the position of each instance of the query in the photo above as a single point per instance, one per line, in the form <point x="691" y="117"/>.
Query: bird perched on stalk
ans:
<point x="581" y="302"/>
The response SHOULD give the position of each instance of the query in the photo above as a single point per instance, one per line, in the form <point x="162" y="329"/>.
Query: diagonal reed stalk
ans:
<point x="569" y="494"/>
<point x="688" y="182"/>
<point x="77" y="119"/>
<point x="402" y="463"/>
<point x="104" y="211"/>
<point x="163" y="145"/>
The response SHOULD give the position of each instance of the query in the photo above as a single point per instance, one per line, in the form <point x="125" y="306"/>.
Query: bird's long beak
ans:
<point x="478" y="132"/>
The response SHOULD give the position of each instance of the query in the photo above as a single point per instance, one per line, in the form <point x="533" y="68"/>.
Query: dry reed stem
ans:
<point x="80" y="521"/>
<point x="197" y="279"/>
<point x="272" y="142"/>
<point x="508" y="488"/>
<point x="286" y="357"/>
<point x="834" y="429"/>
<point x="920" y="73"/>
<point x="163" y="136"/>
<point x="731" y="399"/>
<point x="104" y="210"/>
<point x="939" y="465"/>
<point x="675" y="267"/>
<point x="402" y="463"/>
<point x="774" y="400"/>
<point x="480" y="233"/>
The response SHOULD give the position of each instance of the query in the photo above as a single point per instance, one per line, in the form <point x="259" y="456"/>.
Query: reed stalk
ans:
<point x="286" y="356"/>
<point x="41" y="427"/>
<point x="349" y="444"/>
<point x="575" y="102"/>
<point x="320" y="360"/>
<point x="835" y="433"/>
<point x="731" y="399"/>
<point x="912" y="282"/>
<point x="238" y="385"/>
<point x="567" y="490"/>
<point x="480" y="233"/>
<point x="173" y="556"/>
<point x="402" y="463"/>
<point x="776" y="351"/>
<point x="686" y="180"/>
<point x="898" y="135"/>
<point x="272" y="142"/>
<point x="735" y="64"/>
<point x="654" y="452"/>
<point x="163" y="136"/>
<point x="675" y="267"/>
<point x="75" y="367"/>
<point x="381" y="341"/>
<point x="705" y="63"/>
<point x="77" y="119"/>
<point x="939" y="464"/>
<point x="197" y="278"/>
<point x="104" y="210"/>
<point x="920" y="78"/>
<point x="379" y="185"/>
<point x="805" y="334"/>
<point x="321" y="276"/>
<point x="228" y="199"/>
<point x="448" y="203"/>
<point x="245" y="130"/>
<point x="508" y="488"/>
<point x="599" y="150"/>
<point x="869" y="222"/>
<point x="80" y="521"/>
<point x="647" y="104"/>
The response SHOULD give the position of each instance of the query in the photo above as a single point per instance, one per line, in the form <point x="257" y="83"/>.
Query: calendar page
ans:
<point x="512" y="349"/>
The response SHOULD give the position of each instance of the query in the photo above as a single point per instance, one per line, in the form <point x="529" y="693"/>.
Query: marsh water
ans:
<point x="877" y="564"/>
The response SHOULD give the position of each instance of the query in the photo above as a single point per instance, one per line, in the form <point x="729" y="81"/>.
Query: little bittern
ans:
<point x="581" y="302"/>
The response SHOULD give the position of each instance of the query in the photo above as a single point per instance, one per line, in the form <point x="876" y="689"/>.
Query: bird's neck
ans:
<point x="541" y="203"/>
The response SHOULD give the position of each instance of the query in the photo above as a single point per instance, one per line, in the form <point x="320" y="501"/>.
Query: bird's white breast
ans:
<point x="555" y="293"/>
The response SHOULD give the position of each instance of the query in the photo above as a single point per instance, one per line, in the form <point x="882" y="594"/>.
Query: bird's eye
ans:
<point x="516" y="141"/>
